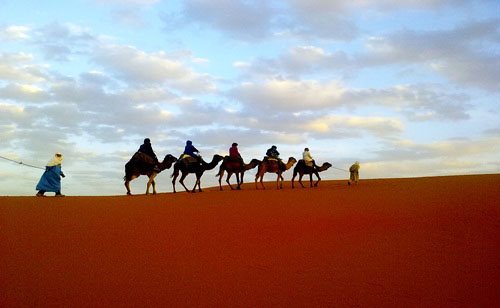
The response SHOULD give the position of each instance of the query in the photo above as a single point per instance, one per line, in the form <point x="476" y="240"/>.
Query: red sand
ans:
<point x="394" y="242"/>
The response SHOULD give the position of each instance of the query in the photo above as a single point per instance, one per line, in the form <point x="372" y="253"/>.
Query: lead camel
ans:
<point x="302" y="169"/>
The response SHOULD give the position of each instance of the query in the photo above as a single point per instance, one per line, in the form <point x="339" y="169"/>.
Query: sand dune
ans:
<point x="390" y="242"/>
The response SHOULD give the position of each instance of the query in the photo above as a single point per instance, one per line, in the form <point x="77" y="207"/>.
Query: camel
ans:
<point x="197" y="168"/>
<point x="273" y="166"/>
<point x="302" y="169"/>
<point x="235" y="166"/>
<point x="134" y="169"/>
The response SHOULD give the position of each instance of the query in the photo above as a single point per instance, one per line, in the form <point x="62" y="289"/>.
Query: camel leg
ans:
<point x="229" y="173"/>
<point x="151" y="181"/>
<point x="181" y="180"/>
<point x="319" y="179"/>
<point x="300" y="179"/>
<point x="127" y="184"/>
<point x="175" y="175"/>
<point x="293" y="178"/>
<point x="198" y="182"/>
<point x="238" y="180"/>
<point x="282" y="179"/>
<point x="278" y="182"/>
<point x="242" y="175"/>
<point x="311" y="180"/>
<point x="221" y="174"/>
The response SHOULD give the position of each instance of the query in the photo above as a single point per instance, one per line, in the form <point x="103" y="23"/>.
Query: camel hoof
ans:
<point x="238" y="188"/>
<point x="129" y="194"/>
<point x="154" y="193"/>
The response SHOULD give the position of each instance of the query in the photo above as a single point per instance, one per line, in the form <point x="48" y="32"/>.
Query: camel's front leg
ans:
<point x="319" y="179"/>
<point x="127" y="186"/>
<point x="198" y="182"/>
<point x="238" y="180"/>
<point x="281" y="182"/>
<point x="151" y="181"/>
<point x="311" y="180"/>
<point x="293" y="178"/>
<point x="181" y="180"/>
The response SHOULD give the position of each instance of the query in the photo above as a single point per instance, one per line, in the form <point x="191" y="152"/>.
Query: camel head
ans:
<point x="324" y="167"/>
<point x="169" y="158"/>
<point x="290" y="163"/>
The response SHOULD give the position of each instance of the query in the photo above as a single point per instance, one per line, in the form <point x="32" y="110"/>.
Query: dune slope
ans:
<point x="390" y="242"/>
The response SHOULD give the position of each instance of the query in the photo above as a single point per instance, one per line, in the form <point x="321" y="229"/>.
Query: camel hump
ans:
<point x="188" y="159"/>
<point x="140" y="157"/>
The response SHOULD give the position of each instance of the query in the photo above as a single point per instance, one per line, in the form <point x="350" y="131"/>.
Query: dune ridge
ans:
<point x="431" y="241"/>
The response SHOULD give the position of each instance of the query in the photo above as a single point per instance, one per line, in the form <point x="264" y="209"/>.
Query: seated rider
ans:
<point x="192" y="151"/>
<point x="150" y="157"/>
<point x="273" y="153"/>
<point x="234" y="153"/>
<point x="308" y="160"/>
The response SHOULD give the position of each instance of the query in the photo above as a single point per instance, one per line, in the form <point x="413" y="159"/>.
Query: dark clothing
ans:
<point x="273" y="153"/>
<point x="190" y="150"/>
<point x="233" y="152"/>
<point x="148" y="150"/>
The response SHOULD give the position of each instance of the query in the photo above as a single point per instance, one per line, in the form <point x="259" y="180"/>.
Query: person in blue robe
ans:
<point x="51" y="178"/>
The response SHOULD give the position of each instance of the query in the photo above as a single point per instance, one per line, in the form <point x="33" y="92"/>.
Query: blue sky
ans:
<point x="408" y="88"/>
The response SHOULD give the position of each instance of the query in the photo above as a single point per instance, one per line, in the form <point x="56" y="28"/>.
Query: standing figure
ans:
<point x="51" y="178"/>
<point x="354" y="170"/>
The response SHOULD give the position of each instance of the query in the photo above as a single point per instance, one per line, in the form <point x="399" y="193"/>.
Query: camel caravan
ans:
<point x="145" y="162"/>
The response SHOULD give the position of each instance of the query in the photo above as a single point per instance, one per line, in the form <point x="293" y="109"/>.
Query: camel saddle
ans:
<point x="188" y="159"/>
<point x="140" y="157"/>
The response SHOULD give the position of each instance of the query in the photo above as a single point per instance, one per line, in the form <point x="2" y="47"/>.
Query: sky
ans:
<point x="409" y="88"/>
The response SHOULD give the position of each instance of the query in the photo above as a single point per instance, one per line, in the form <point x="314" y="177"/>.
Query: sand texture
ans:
<point x="431" y="242"/>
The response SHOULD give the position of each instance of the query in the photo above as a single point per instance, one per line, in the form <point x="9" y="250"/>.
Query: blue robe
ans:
<point x="51" y="179"/>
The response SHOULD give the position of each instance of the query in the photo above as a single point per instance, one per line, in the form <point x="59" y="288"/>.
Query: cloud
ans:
<point x="137" y="66"/>
<point x="417" y="102"/>
<point x="465" y="55"/>
<point x="59" y="41"/>
<point x="23" y="92"/>
<point x="14" y="33"/>
<point x="18" y="67"/>
<point x="351" y="125"/>
<point x="247" y="20"/>
<point x="452" y="149"/>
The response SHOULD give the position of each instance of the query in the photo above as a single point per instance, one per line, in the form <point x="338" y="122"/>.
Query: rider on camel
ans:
<point x="234" y="153"/>
<point x="150" y="156"/>
<point x="308" y="160"/>
<point x="191" y="151"/>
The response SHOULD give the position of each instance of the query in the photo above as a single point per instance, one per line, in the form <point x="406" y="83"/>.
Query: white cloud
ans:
<point x="134" y="65"/>
<point x="342" y="125"/>
<point x="289" y="95"/>
<point x="14" y="33"/>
